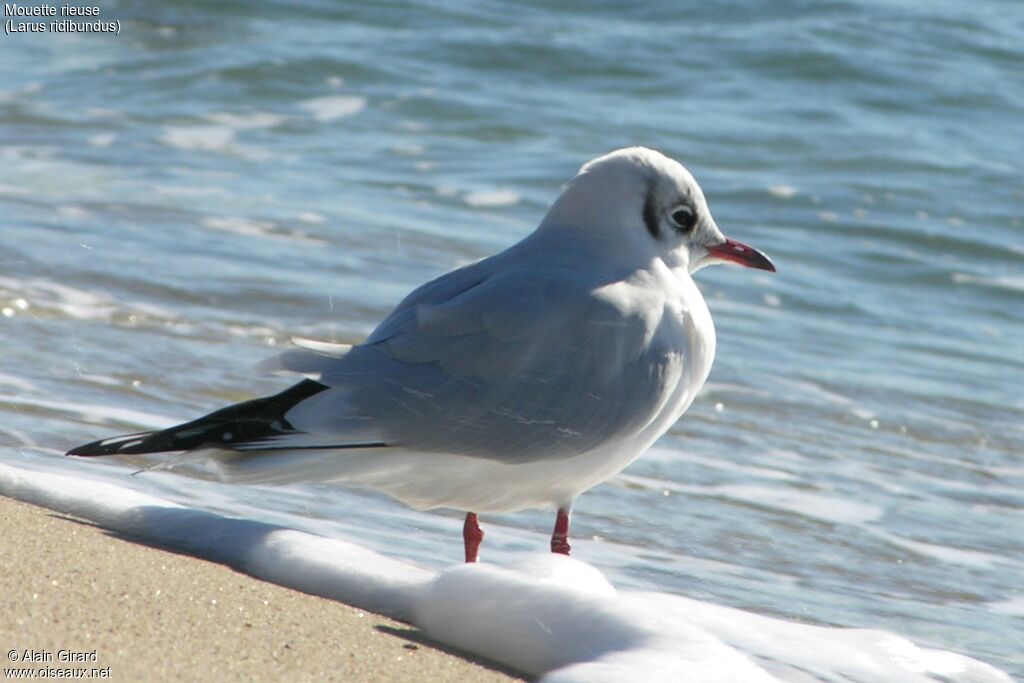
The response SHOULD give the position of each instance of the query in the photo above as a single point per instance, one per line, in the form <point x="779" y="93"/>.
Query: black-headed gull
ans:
<point x="518" y="381"/>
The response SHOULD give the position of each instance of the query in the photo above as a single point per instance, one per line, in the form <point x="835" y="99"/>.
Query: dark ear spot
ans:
<point x="651" y="214"/>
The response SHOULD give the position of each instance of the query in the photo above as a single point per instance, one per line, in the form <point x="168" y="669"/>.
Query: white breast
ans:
<point x="490" y="486"/>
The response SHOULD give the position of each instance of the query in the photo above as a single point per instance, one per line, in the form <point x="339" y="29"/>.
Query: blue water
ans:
<point x="177" y="201"/>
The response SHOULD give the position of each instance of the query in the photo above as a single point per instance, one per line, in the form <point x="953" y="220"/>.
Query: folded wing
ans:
<point x="511" y="364"/>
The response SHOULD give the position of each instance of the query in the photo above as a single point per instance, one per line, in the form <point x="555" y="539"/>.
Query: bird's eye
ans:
<point x="684" y="218"/>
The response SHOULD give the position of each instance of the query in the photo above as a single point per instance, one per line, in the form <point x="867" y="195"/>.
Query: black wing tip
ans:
<point x="230" y="427"/>
<point x="111" y="446"/>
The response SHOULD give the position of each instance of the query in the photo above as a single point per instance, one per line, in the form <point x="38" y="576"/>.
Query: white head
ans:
<point x="650" y="205"/>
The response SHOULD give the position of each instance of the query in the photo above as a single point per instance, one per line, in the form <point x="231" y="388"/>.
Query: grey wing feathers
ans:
<point x="441" y="289"/>
<point x="512" y="365"/>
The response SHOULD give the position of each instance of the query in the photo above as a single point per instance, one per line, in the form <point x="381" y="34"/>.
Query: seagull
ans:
<point x="518" y="381"/>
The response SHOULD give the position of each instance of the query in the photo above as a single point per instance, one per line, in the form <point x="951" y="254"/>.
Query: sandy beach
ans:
<point x="77" y="596"/>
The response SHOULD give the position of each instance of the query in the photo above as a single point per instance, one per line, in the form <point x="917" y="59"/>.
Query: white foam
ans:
<point x="73" y="212"/>
<point x="782" y="191"/>
<point x="1014" y="283"/>
<point x="708" y="462"/>
<point x="103" y="380"/>
<point x="863" y="413"/>
<point x="239" y="226"/>
<point x="823" y="506"/>
<point x="189" y="190"/>
<point x="251" y="227"/>
<point x="17" y="438"/>
<point x="333" y="107"/>
<point x="491" y="198"/>
<point x="1013" y="606"/>
<point x="199" y="138"/>
<point x="246" y="120"/>
<point x="815" y="391"/>
<point x="16" y="382"/>
<point x="77" y="303"/>
<point x="311" y="217"/>
<point x="94" y="413"/>
<point x="943" y="553"/>
<point x="102" y="139"/>
<point x="547" y="615"/>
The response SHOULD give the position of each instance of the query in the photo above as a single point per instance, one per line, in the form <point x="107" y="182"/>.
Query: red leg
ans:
<point x="472" y="535"/>
<point x="560" y="536"/>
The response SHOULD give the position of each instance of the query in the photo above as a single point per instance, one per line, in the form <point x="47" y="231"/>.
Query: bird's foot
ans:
<point x="560" y="536"/>
<point x="473" y="536"/>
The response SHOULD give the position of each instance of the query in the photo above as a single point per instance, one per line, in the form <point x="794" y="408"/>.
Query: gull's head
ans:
<point x="644" y="203"/>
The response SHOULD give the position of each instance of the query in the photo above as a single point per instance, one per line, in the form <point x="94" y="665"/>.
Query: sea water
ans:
<point x="179" y="199"/>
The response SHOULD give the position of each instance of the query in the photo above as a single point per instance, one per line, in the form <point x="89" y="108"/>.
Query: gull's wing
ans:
<point x="498" y="361"/>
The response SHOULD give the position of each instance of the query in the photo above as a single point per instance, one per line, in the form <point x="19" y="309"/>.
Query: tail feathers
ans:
<point x="233" y="427"/>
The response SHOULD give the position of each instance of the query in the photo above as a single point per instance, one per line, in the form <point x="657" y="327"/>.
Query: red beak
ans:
<point x="737" y="252"/>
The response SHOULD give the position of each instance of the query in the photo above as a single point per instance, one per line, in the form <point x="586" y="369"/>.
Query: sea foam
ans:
<point x="545" y="615"/>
